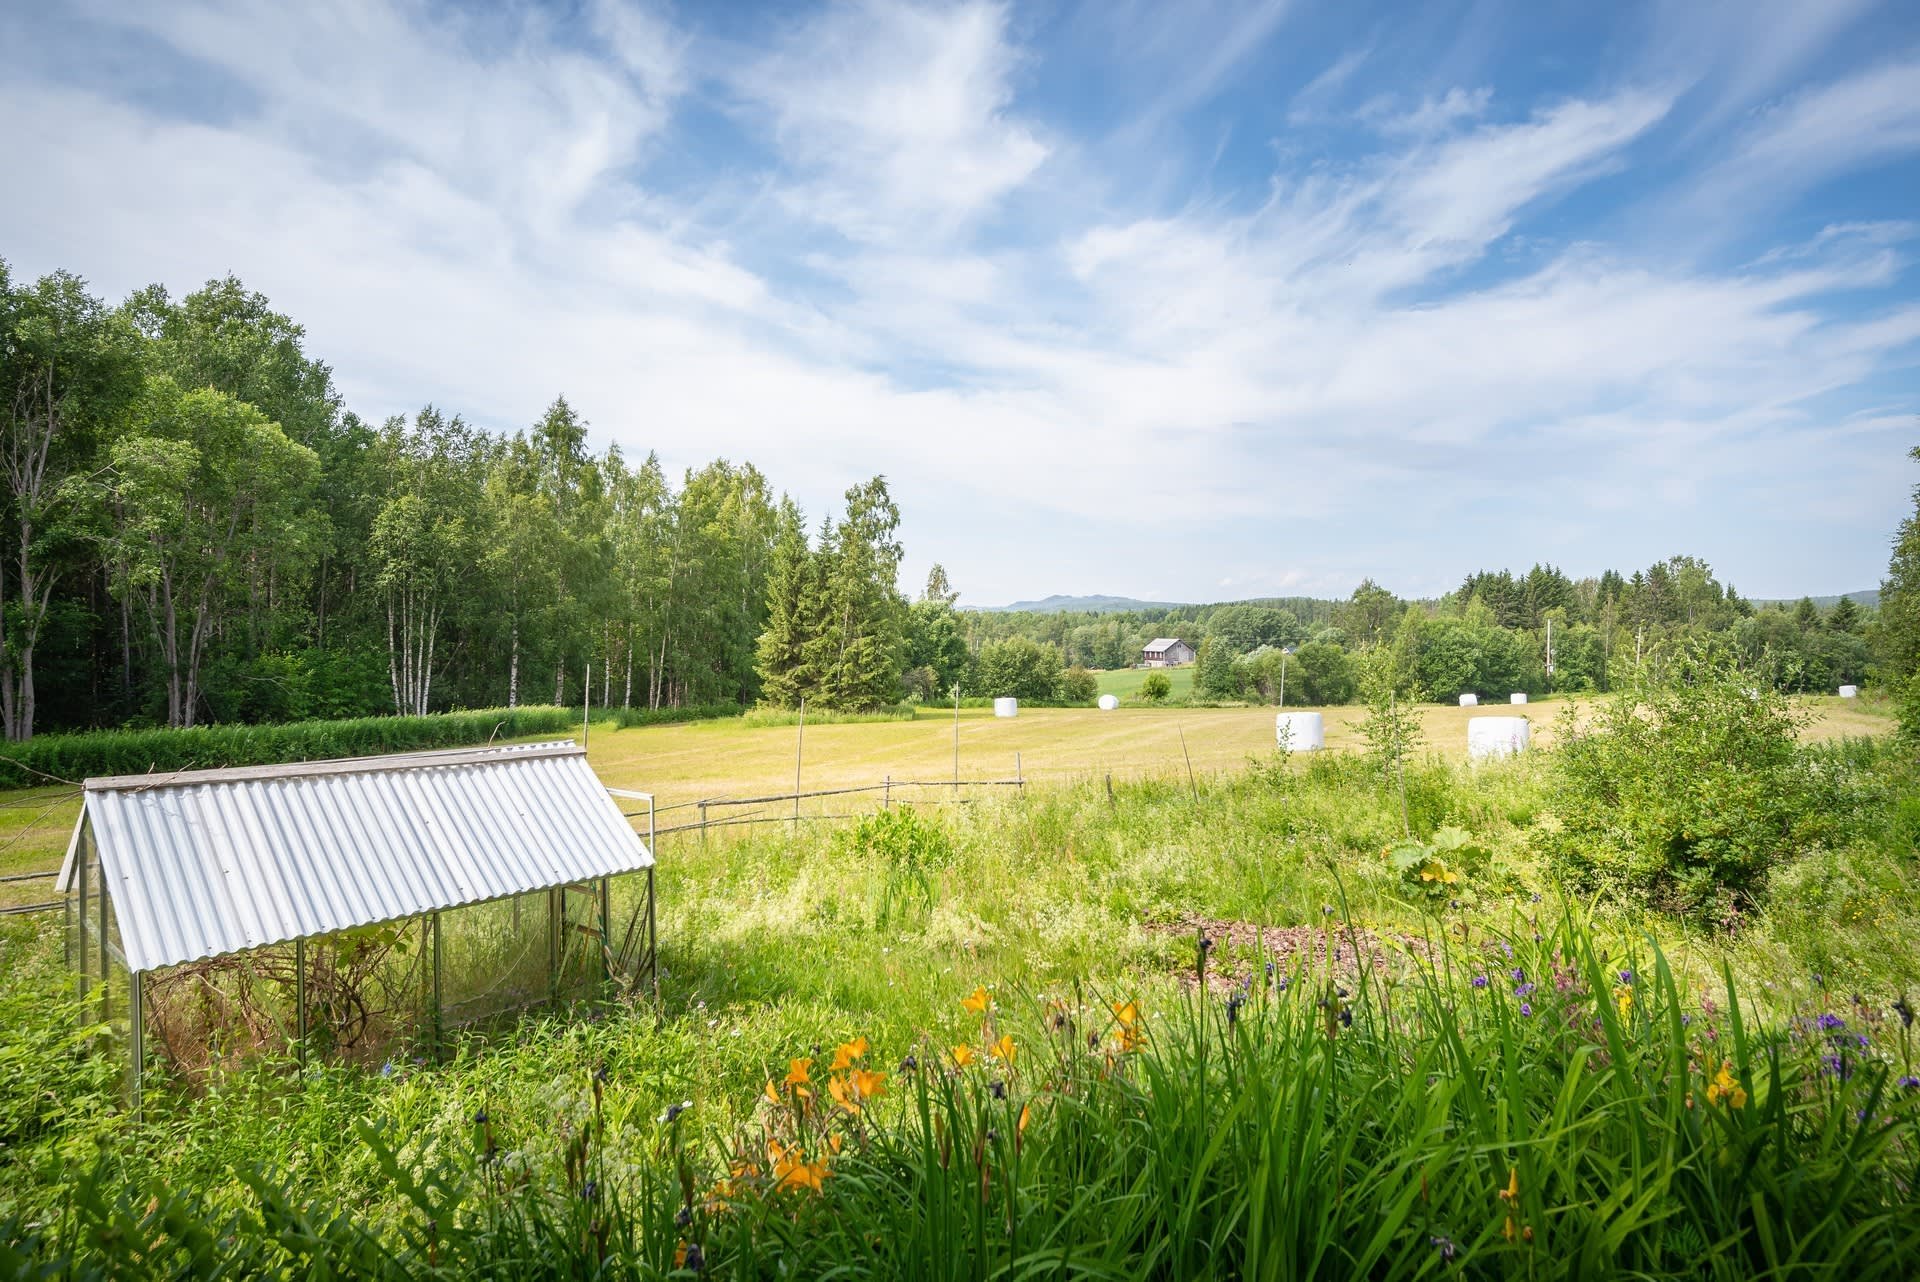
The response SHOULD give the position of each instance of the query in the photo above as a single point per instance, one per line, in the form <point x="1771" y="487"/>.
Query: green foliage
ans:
<point x="1018" y="668"/>
<point x="1896" y="628"/>
<point x="1321" y="674"/>
<point x="1246" y="627"/>
<point x="1583" y="1114"/>
<point x="836" y="632"/>
<point x="909" y="848"/>
<point x="1685" y="791"/>
<point x="1078" y="686"/>
<point x="1443" y="871"/>
<point x="1155" y="687"/>
<point x="1213" y="671"/>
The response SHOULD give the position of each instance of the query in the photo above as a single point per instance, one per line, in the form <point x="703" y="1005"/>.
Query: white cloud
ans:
<point x="467" y="210"/>
<point x="898" y="116"/>
<point x="1836" y="128"/>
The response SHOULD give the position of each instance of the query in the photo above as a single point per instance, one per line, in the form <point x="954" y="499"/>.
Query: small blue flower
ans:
<point x="1523" y="990"/>
<point x="696" y="1259"/>
<point x="1830" y="1023"/>
<point x="1518" y="974"/>
<point x="1526" y="1008"/>
<point x="590" y="1190"/>
<point x="1626" y="977"/>
<point x="1910" y="1082"/>
<point x="1479" y="981"/>
<point x="1508" y="947"/>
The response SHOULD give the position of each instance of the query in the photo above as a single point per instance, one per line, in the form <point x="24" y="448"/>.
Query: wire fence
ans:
<point x="918" y="792"/>
<point x="15" y="910"/>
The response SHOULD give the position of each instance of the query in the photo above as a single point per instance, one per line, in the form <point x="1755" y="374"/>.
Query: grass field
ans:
<point x="727" y="758"/>
<point x="1125" y="682"/>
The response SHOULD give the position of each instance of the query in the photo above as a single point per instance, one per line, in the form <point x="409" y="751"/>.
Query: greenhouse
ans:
<point x="349" y="906"/>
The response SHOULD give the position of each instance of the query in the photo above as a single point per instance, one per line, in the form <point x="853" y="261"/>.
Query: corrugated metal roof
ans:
<point x="1162" y="643"/>
<point x="204" y="863"/>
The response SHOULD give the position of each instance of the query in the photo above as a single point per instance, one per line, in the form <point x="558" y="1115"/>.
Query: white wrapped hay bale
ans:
<point x="1469" y="700"/>
<point x="1497" y="737"/>
<point x="1300" y="731"/>
<point x="1518" y="696"/>
<point x="1849" y="692"/>
<point x="1108" y="702"/>
<point x="1005" y="707"/>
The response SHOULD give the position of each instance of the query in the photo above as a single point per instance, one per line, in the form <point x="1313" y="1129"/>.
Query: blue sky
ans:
<point x="1184" y="301"/>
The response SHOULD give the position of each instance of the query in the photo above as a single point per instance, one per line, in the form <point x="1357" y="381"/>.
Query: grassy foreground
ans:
<point x="1340" y="1083"/>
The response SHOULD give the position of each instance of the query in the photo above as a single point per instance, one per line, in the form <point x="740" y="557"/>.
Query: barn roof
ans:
<point x="1163" y="643"/>
<point x="201" y="863"/>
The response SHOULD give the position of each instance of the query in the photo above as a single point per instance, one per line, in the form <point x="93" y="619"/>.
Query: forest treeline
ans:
<point x="1488" y="636"/>
<point x="197" y="529"/>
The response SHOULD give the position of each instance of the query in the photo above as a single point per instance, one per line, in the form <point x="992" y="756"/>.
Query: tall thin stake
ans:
<point x="1191" y="783"/>
<point x="956" y="739"/>
<point x="1400" y="761"/>
<point x="799" y="742"/>
<point x="586" y="702"/>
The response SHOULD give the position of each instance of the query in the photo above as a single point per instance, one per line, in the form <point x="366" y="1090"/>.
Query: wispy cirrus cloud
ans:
<point x="1385" y="327"/>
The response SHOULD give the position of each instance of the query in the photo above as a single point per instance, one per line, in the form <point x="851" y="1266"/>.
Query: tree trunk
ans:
<point x="513" y="669"/>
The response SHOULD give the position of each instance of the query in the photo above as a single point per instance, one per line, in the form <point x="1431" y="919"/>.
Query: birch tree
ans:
<point x="205" y="488"/>
<point x="67" y="366"/>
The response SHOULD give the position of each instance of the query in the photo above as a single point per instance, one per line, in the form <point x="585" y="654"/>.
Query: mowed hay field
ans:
<point x="1126" y="682"/>
<point x="686" y="763"/>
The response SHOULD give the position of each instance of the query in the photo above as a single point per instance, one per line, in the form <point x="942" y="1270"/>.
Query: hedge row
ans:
<point x="70" y="758"/>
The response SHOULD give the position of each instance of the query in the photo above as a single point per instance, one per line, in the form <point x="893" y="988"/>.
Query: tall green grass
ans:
<point x="1305" y="1131"/>
<point x="1403" y="1124"/>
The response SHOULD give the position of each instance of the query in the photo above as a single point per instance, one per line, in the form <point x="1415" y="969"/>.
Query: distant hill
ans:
<point x="1865" y="597"/>
<point x="1079" y="605"/>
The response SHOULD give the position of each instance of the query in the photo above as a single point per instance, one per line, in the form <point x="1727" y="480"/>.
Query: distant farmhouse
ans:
<point x="1166" y="652"/>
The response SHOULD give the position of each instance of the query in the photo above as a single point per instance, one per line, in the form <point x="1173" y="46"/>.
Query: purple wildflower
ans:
<point x="1911" y="1082"/>
<point x="1830" y="1023"/>
<point x="1526" y="1008"/>
<point x="1518" y="974"/>
<point x="1479" y="981"/>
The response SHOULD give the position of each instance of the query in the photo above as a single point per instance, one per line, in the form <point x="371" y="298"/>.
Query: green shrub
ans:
<point x="65" y="758"/>
<point x="1018" y="668"/>
<point x="909" y="848"/>
<point x="1684" y="792"/>
<point x="1156" y="686"/>
<point x="1079" y="686"/>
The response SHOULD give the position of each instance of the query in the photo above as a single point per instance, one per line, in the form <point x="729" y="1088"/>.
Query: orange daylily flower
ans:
<point x="1026" y="1111"/>
<point x="962" y="1056"/>
<point x="842" y="1093"/>
<point x="1004" y="1049"/>
<point x="869" y="1084"/>
<point x="847" y="1052"/>
<point x="793" y="1171"/>
<point x="1128" y="1039"/>
<point x="834" y="1142"/>
<point x="1511" y="1193"/>
<point x="978" y="1002"/>
<point x="772" y="1095"/>
<point x="797" y="1076"/>
<point x="1128" y="1013"/>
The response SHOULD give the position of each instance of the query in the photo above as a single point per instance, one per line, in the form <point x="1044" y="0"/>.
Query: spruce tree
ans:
<point x="780" y="653"/>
